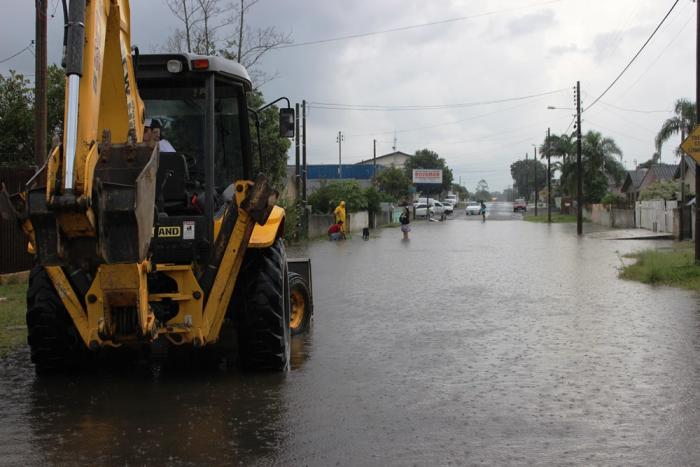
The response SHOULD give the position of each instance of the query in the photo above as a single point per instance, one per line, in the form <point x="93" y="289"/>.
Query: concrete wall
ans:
<point x="623" y="218"/>
<point x="319" y="223"/>
<point x="602" y="215"/>
<point x="655" y="215"/>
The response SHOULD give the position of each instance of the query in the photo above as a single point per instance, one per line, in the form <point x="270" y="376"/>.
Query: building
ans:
<point x="689" y="179"/>
<point x="320" y="174"/>
<point x="395" y="159"/>
<point x="630" y="187"/>
<point x="657" y="173"/>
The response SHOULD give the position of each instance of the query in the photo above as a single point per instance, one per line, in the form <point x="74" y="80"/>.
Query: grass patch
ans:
<point x="674" y="267"/>
<point x="556" y="218"/>
<point x="13" y="329"/>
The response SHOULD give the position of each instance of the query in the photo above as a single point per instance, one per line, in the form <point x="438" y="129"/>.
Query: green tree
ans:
<point x="523" y="173"/>
<point x="274" y="147"/>
<point x="661" y="189"/>
<point x="325" y="199"/>
<point x="427" y="159"/>
<point x="601" y="160"/>
<point x="682" y="122"/>
<point x="394" y="183"/>
<point x="461" y="191"/>
<point x="481" y="192"/>
<point x="17" y="115"/>
<point x="16" y="121"/>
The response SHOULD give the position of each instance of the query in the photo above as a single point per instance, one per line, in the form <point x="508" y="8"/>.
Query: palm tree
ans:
<point x="563" y="147"/>
<point x="682" y="122"/>
<point x="601" y="158"/>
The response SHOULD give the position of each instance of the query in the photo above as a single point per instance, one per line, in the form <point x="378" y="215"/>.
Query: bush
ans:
<point x="665" y="189"/>
<point x="325" y="199"/>
<point x="613" y="199"/>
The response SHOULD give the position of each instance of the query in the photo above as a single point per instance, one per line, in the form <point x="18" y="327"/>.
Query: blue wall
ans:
<point x="349" y="171"/>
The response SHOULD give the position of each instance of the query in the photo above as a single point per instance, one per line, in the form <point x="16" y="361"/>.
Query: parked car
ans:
<point x="519" y="205"/>
<point x="473" y="208"/>
<point x="448" y="207"/>
<point x="438" y="207"/>
<point x="421" y="210"/>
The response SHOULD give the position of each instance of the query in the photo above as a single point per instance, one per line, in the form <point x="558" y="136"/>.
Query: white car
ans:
<point x="438" y="207"/>
<point x="449" y="207"/>
<point x="420" y="209"/>
<point x="473" y="208"/>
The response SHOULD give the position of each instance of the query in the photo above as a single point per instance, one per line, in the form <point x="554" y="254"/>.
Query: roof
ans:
<point x="689" y="164"/>
<point x="385" y="156"/>
<point x="633" y="179"/>
<point x="663" y="171"/>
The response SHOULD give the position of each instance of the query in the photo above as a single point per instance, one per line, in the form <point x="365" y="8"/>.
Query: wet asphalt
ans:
<point x="496" y="343"/>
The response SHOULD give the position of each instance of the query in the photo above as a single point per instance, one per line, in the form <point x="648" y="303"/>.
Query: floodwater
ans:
<point x="497" y="342"/>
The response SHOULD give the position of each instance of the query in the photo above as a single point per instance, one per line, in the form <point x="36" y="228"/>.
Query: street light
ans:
<point x="549" y="107"/>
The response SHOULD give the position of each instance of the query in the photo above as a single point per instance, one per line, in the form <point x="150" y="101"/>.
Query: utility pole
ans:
<point x="340" y="159"/>
<point x="536" y="194"/>
<point x="549" y="180"/>
<point x="579" y="165"/>
<point x="527" y="182"/>
<point x="681" y="214"/>
<point x="697" y="120"/>
<point x="40" y="104"/>
<point x="374" y="159"/>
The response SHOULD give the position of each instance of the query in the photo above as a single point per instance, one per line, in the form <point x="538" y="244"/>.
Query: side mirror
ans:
<point x="287" y="123"/>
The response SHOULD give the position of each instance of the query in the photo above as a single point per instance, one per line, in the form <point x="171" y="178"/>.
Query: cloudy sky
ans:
<point x="467" y="77"/>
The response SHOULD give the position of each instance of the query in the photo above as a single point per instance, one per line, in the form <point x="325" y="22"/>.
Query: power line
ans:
<point x="633" y="58"/>
<point x="414" y="26"/>
<point x="31" y="43"/>
<point x="390" y="108"/>
<point x="635" y="110"/>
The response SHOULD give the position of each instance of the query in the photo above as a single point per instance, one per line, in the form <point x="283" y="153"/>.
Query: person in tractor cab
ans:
<point x="335" y="231"/>
<point x="153" y="131"/>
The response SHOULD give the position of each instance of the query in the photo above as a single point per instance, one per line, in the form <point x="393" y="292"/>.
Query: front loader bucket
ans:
<point x="126" y="186"/>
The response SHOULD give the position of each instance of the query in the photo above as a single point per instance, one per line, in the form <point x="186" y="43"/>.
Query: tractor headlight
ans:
<point x="174" y="66"/>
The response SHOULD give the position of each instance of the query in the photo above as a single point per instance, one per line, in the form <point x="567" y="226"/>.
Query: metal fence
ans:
<point x="13" y="242"/>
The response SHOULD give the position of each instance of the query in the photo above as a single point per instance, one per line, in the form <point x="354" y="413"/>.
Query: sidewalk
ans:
<point x="629" y="234"/>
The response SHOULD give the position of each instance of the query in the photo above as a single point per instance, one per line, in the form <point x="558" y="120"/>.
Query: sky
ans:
<point x="486" y="70"/>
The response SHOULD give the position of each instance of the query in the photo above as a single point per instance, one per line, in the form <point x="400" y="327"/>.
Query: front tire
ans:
<point x="263" y="315"/>
<point x="54" y="342"/>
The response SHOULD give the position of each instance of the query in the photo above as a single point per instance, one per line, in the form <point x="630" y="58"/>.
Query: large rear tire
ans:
<point x="54" y="342"/>
<point x="300" y="304"/>
<point x="263" y="309"/>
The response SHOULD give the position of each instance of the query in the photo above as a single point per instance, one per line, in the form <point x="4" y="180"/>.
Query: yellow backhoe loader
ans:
<point x="146" y="222"/>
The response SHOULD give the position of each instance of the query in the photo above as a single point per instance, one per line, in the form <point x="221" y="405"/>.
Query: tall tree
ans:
<point x="682" y="122"/>
<point x="601" y="163"/>
<point x="216" y="27"/>
<point x="523" y="173"/>
<point x="427" y="159"/>
<point x="394" y="182"/>
<point x="17" y="115"/>
<point x="481" y="192"/>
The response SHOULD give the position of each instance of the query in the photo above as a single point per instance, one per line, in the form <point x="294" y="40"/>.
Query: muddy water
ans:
<point x="473" y="343"/>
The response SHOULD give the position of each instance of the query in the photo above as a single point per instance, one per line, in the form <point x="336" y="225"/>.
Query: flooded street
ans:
<point x="504" y="342"/>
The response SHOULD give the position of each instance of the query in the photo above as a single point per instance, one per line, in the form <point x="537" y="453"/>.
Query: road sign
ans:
<point x="427" y="176"/>
<point x="691" y="145"/>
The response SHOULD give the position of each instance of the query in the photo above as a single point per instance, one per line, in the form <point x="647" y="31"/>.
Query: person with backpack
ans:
<point x="405" y="220"/>
<point x="483" y="211"/>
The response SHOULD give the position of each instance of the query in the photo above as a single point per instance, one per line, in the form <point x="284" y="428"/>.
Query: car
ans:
<point x="420" y="209"/>
<point x="473" y="208"/>
<point x="438" y="207"/>
<point x="449" y="207"/>
<point x="519" y="205"/>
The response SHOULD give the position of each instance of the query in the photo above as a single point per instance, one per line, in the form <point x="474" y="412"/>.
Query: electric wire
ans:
<point x="391" y="108"/>
<point x="414" y="26"/>
<point x="635" y="56"/>
<point x="18" y="53"/>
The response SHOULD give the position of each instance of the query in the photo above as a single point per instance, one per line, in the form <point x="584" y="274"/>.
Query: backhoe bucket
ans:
<point x="126" y="190"/>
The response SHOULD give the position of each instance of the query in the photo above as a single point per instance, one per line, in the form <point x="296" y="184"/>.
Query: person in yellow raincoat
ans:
<point x="339" y="214"/>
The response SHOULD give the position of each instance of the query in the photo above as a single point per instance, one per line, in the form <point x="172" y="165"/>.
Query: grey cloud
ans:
<point x="535" y="22"/>
<point x="559" y="50"/>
